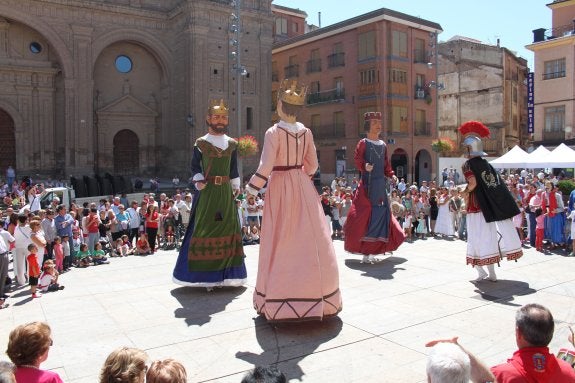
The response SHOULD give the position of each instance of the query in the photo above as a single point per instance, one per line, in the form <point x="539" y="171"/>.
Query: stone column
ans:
<point x="82" y="143"/>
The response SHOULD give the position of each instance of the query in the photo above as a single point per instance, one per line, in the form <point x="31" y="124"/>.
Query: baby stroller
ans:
<point x="106" y="246"/>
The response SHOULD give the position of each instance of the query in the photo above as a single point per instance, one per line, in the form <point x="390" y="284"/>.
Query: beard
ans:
<point x="218" y="128"/>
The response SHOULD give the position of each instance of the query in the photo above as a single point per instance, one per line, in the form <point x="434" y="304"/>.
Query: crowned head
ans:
<point x="218" y="108"/>
<point x="290" y="93"/>
<point x="372" y="123"/>
<point x="217" y="117"/>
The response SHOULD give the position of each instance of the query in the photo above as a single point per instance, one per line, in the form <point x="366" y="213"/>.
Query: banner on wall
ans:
<point x="530" y="104"/>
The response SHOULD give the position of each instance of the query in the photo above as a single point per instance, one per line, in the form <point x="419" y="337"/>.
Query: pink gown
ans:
<point x="298" y="277"/>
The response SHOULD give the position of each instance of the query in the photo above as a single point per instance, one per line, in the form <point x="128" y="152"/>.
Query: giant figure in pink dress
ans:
<point x="370" y="228"/>
<point x="298" y="276"/>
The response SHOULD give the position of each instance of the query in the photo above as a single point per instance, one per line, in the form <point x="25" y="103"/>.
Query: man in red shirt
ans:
<point x="533" y="362"/>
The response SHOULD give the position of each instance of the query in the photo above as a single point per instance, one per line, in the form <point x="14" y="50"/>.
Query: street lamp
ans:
<point x="237" y="67"/>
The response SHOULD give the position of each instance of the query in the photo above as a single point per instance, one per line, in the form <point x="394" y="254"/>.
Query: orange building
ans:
<point x="380" y="61"/>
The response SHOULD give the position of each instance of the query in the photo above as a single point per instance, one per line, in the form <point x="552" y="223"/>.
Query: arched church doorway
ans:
<point x="126" y="153"/>
<point x="7" y="142"/>
<point x="399" y="163"/>
<point x="422" y="166"/>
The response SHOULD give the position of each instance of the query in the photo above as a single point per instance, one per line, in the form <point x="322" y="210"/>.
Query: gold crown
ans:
<point x="218" y="108"/>
<point x="291" y="94"/>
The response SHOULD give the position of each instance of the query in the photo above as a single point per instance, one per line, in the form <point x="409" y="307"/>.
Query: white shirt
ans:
<point x="7" y="239"/>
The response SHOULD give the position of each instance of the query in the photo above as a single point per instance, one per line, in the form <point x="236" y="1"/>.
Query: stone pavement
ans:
<point x="391" y="309"/>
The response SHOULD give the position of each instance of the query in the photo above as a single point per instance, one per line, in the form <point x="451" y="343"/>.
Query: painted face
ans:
<point x="375" y="127"/>
<point x="218" y="123"/>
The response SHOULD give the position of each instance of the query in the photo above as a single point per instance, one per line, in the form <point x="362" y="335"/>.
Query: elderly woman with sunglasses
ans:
<point x="28" y="347"/>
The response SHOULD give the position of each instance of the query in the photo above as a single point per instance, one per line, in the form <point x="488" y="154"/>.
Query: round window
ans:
<point x="35" y="47"/>
<point x="123" y="64"/>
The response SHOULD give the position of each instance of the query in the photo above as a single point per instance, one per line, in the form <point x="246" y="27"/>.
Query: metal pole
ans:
<point x="238" y="72"/>
<point x="437" y="106"/>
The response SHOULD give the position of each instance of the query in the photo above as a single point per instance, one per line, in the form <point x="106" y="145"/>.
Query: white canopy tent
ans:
<point x="513" y="159"/>
<point x="561" y="157"/>
<point x="538" y="158"/>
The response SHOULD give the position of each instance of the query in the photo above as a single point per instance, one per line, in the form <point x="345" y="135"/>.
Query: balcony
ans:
<point x="552" y="75"/>
<point x="333" y="95"/>
<point x="328" y="131"/>
<point x="313" y="66"/>
<point x="291" y="71"/>
<point x="420" y="56"/>
<point x="421" y="128"/>
<point x="554" y="136"/>
<point x="336" y="60"/>
<point x="421" y="93"/>
<point x="542" y="34"/>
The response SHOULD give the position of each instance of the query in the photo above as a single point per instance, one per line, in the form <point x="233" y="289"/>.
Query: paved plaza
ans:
<point x="390" y="310"/>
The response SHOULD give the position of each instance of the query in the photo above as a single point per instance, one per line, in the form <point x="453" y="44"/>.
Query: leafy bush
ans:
<point x="566" y="186"/>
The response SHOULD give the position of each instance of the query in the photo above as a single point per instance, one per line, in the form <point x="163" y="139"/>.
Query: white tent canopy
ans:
<point x="513" y="159"/>
<point x="561" y="157"/>
<point x="538" y="158"/>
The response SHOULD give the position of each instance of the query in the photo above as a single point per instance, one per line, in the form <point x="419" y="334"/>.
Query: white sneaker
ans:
<point x="365" y="259"/>
<point x="371" y="259"/>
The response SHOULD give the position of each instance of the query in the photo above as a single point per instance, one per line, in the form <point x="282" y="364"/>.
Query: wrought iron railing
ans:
<point x="291" y="71"/>
<point x="326" y="96"/>
<point x="313" y="66"/>
<point x="335" y="60"/>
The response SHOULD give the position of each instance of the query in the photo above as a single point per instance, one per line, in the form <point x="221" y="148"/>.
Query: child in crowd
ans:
<point x="539" y="228"/>
<point x="33" y="270"/>
<point x="76" y="242"/>
<point x="126" y="241"/>
<point x="142" y="245"/>
<point x="120" y="248"/>
<point x="48" y="280"/>
<point x="166" y="371"/>
<point x="246" y="237"/>
<point x="170" y="235"/>
<point x="254" y="235"/>
<point x="67" y="252"/>
<point x="335" y="216"/>
<point x="518" y="221"/>
<point x="421" y="225"/>
<point x="58" y="253"/>
<point x="82" y="256"/>
<point x="407" y="226"/>
<point x="99" y="255"/>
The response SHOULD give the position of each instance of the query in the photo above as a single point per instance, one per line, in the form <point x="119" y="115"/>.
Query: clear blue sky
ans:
<point x="511" y="21"/>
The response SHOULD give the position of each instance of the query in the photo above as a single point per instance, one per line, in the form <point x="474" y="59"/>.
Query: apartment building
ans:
<point x="554" y="77"/>
<point x="482" y="82"/>
<point x="379" y="61"/>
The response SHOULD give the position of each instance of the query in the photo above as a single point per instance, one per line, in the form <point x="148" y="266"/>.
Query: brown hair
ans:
<point x="28" y="342"/>
<point x="166" y="371"/>
<point x="124" y="365"/>
<point x="292" y="110"/>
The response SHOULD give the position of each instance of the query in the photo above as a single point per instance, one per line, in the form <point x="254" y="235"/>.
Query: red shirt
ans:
<point x="534" y="365"/>
<point x="33" y="268"/>
<point x="151" y="221"/>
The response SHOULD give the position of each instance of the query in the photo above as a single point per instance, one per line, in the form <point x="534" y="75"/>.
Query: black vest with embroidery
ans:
<point x="495" y="200"/>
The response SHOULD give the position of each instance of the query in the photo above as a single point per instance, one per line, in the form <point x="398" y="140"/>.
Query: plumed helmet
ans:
<point x="472" y="132"/>
<point x="474" y="146"/>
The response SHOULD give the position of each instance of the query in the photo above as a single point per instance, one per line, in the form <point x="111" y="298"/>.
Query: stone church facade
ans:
<point x="123" y="86"/>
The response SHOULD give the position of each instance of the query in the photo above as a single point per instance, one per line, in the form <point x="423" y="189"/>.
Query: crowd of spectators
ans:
<point x="29" y="345"/>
